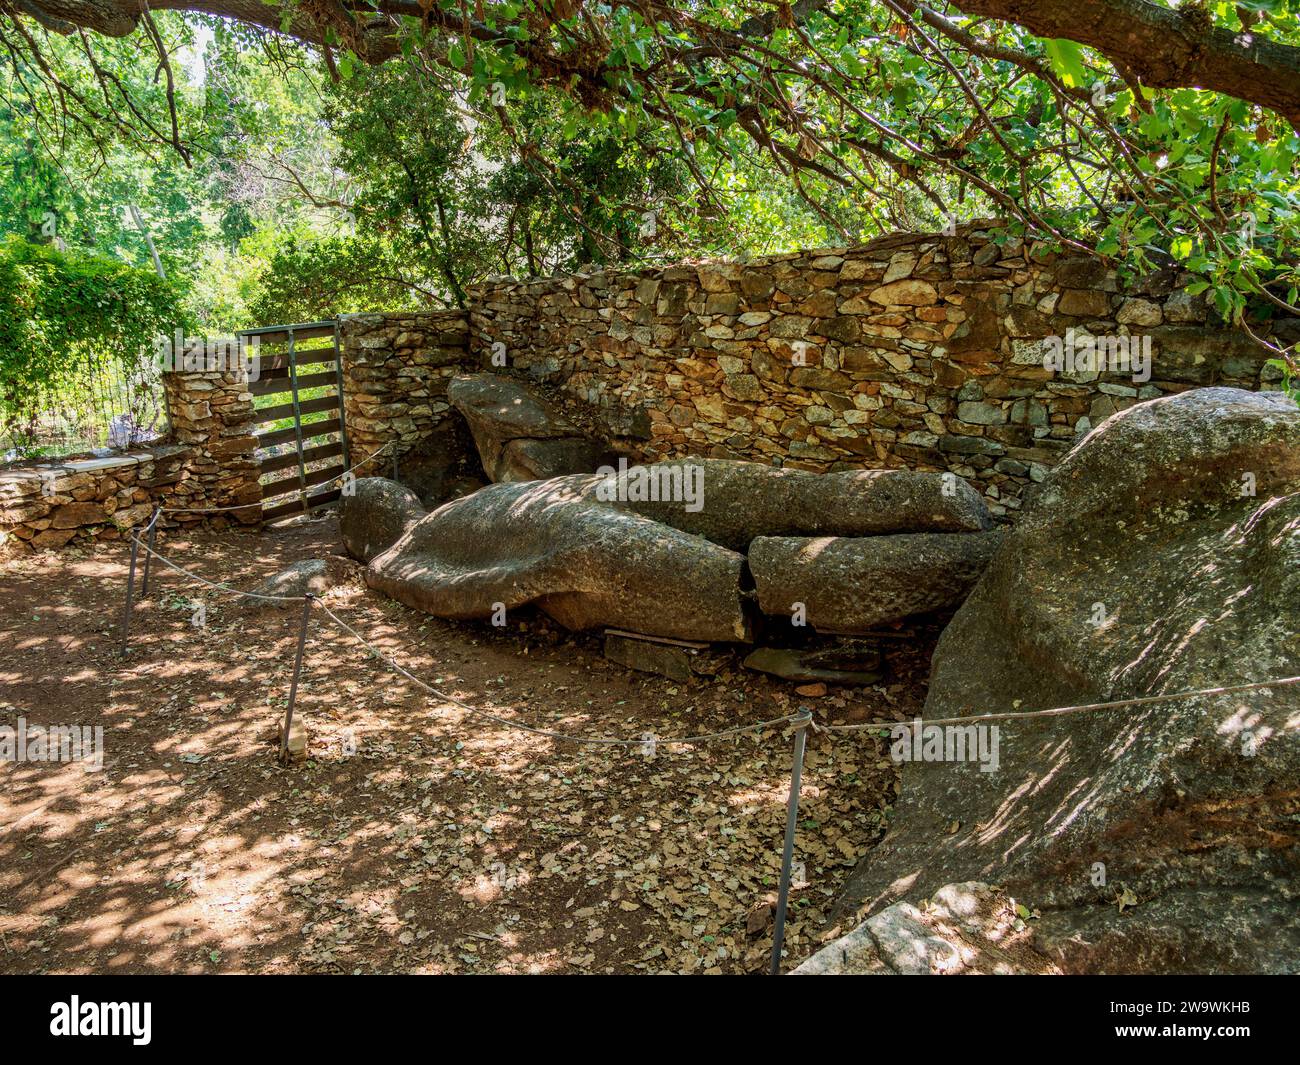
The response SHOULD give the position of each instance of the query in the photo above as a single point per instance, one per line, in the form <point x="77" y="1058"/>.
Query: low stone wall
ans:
<point x="48" y="506"/>
<point x="917" y="351"/>
<point x="208" y="462"/>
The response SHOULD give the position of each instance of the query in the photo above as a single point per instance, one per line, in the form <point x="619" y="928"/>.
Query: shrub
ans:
<point x="70" y="322"/>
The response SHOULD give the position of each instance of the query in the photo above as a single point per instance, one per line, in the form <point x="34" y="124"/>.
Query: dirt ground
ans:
<point x="417" y="838"/>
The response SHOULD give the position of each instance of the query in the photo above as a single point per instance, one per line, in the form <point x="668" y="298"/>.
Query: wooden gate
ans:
<point x="298" y="396"/>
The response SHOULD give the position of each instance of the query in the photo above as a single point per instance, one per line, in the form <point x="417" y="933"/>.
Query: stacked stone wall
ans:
<point x="207" y="461"/>
<point x="395" y="373"/>
<point x="913" y="351"/>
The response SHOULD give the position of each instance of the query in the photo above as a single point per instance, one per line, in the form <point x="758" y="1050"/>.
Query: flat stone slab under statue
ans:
<point x="519" y="434"/>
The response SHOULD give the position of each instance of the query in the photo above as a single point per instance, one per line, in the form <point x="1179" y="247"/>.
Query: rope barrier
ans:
<point x="864" y="726"/>
<point x="364" y="461"/>
<point x="213" y="584"/>
<point x="802" y="721"/>
<point x="1058" y="711"/>
<point x="611" y="741"/>
<point x="206" y="510"/>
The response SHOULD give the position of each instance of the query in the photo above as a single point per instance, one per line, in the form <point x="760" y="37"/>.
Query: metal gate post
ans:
<point x="297" y="422"/>
<point x="338" y="387"/>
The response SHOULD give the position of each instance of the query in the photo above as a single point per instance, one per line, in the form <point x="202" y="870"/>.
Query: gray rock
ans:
<point x="520" y="436"/>
<point x="540" y="460"/>
<point x="964" y="928"/>
<point x="905" y="945"/>
<point x="668" y="660"/>
<point x="1140" y="569"/>
<point x="585" y="564"/>
<point x="852" y="584"/>
<point x="737" y="501"/>
<point x="375" y="515"/>
<point x="314" y="575"/>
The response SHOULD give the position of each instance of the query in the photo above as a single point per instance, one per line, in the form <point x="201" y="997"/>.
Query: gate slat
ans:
<point x="283" y="436"/>
<point x="280" y="334"/>
<point x="292" y="484"/>
<point x="278" y="381"/>
<point x="310" y="454"/>
<point x="278" y="365"/>
<point x="285" y="410"/>
<point x="288" y="509"/>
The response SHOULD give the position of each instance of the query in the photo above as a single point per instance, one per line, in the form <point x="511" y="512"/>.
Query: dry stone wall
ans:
<point x="212" y="412"/>
<point x="395" y="372"/>
<point x="49" y="505"/>
<point x="208" y="462"/>
<point x="912" y="351"/>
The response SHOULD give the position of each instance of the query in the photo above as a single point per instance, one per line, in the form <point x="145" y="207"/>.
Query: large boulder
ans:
<point x="586" y="564"/>
<point x="851" y="584"/>
<point x="375" y="514"/>
<point x="521" y="436"/>
<point x="1161" y="556"/>
<point x="730" y="502"/>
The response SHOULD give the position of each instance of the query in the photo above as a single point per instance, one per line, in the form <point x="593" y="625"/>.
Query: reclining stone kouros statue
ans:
<point x="661" y="549"/>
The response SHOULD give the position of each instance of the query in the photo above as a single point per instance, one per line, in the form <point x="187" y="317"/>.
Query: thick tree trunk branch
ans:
<point x="1165" y="48"/>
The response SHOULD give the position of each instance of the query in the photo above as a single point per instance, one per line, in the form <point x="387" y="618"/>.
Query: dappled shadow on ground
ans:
<point x="417" y="838"/>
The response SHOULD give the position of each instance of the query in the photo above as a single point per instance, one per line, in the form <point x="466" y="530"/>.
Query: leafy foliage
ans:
<point x="891" y="115"/>
<point x="66" y="318"/>
<point x="532" y="136"/>
<point x="325" y="277"/>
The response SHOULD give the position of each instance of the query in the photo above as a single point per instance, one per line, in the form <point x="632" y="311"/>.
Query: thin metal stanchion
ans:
<point x="130" y="591"/>
<point x="791" y="819"/>
<point x="148" y="557"/>
<point x="293" y="685"/>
